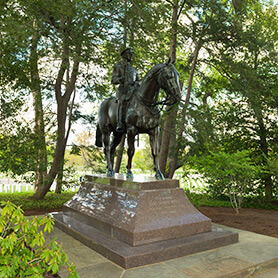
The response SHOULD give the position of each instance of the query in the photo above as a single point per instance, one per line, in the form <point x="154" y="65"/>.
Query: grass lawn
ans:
<point x="51" y="200"/>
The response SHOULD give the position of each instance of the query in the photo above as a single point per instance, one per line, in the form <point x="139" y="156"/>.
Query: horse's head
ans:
<point x="169" y="82"/>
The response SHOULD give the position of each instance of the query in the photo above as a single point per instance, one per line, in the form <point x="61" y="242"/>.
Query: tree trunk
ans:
<point x="59" y="178"/>
<point x="125" y="25"/>
<point x="168" y="126"/>
<point x="169" y="121"/>
<point x="268" y="183"/>
<point x="62" y="104"/>
<point x="264" y="148"/>
<point x="39" y="128"/>
<point x="172" y="147"/>
<point x="175" y="151"/>
<point x="58" y="156"/>
<point x="257" y="108"/>
<point x="262" y="133"/>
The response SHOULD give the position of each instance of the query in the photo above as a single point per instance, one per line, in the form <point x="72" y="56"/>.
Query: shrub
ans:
<point x="231" y="174"/>
<point x="23" y="249"/>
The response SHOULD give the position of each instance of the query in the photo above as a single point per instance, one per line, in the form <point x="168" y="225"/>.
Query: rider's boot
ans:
<point x="120" y="126"/>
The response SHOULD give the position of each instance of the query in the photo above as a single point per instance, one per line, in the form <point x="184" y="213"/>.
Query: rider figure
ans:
<point x="125" y="75"/>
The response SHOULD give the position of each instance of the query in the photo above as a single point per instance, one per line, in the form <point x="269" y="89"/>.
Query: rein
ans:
<point x="149" y="106"/>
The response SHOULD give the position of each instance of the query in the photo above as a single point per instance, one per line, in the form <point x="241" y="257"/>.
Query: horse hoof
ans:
<point x="159" y="176"/>
<point x="110" y="173"/>
<point x="129" y="175"/>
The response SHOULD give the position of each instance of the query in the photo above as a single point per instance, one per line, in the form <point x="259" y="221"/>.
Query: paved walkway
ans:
<point x="254" y="256"/>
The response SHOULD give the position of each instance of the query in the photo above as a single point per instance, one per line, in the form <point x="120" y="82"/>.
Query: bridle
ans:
<point x="165" y="83"/>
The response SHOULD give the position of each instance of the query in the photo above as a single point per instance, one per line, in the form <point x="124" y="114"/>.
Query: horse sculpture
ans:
<point x="142" y="115"/>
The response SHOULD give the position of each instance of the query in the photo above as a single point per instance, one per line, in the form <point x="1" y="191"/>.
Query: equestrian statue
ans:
<point x="135" y="109"/>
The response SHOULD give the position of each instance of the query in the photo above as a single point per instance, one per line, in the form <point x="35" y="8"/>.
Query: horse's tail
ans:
<point x="98" y="137"/>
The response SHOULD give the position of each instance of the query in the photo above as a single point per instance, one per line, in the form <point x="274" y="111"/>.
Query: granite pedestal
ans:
<point x="138" y="222"/>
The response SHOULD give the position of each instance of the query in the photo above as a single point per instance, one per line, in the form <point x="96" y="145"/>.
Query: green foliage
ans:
<point x="90" y="157"/>
<point x="143" y="160"/>
<point x="24" y="252"/>
<point x="272" y="168"/>
<point x="237" y="70"/>
<point x="232" y="174"/>
<point x="17" y="151"/>
<point x="233" y="103"/>
<point x="70" y="177"/>
<point x="16" y="136"/>
<point x="259" y="202"/>
<point x="208" y="200"/>
<point x="204" y="199"/>
<point x="50" y="202"/>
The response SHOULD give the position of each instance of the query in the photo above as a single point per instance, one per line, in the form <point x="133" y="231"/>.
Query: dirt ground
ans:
<point x="254" y="220"/>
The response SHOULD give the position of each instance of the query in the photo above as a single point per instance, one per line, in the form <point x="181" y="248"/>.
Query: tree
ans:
<point x="169" y="121"/>
<point x="249" y="64"/>
<point x="19" y="71"/>
<point x="203" y="23"/>
<point x="63" y="36"/>
<point x="39" y="129"/>
<point x="74" y="25"/>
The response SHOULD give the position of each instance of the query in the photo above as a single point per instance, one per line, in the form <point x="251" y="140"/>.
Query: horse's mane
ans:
<point x="153" y="71"/>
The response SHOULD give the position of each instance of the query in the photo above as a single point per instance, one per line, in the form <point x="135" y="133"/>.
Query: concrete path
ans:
<point x="254" y="256"/>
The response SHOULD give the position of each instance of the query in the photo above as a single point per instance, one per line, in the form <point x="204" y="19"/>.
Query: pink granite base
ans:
<point x="137" y="212"/>
<point x="128" y="256"/>
<point x="138" y="222"/>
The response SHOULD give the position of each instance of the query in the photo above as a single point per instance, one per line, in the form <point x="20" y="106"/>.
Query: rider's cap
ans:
<point x="129" y="49"/>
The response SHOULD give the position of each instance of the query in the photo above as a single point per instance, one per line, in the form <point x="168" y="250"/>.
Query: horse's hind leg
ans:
<point x="105" y="140"/>
<point x="154" y="147"/>
<point x="117" y="137"/>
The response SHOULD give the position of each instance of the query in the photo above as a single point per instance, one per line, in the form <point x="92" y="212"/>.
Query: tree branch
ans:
<point x="64" y="65"/>
<point x="227" y="76"/>
<point x="192" y="21"/>
<point x="74" y="74"/>
<point x="181" y="8"/>
<point x="170" y="2"/>
<point x="70" y="115"/>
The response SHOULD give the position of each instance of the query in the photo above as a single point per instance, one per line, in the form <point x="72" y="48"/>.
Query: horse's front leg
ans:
<point x="154" y="147"/>
<point x="105" y="140"/>
<point x="130" y="151"/>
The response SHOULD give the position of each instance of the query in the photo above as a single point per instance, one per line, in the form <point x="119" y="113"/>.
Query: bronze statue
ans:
<point x="127" y="77"/>
<point x="142" y="115"/>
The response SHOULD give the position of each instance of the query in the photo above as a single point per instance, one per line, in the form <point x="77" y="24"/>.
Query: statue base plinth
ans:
<point x="138" y="222"/>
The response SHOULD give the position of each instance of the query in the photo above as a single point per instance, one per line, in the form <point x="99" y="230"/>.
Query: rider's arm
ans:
<point x="117" y="77"/>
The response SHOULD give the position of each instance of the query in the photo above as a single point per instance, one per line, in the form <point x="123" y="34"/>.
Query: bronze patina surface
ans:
<point x="142" y="115"/>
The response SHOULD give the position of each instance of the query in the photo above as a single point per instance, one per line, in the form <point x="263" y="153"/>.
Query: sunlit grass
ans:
<point x="51" y="200"/>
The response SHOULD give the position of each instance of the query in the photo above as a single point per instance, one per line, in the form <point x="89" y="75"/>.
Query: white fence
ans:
<point x="11" y="186"/>
<point x="7" y="185"/>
